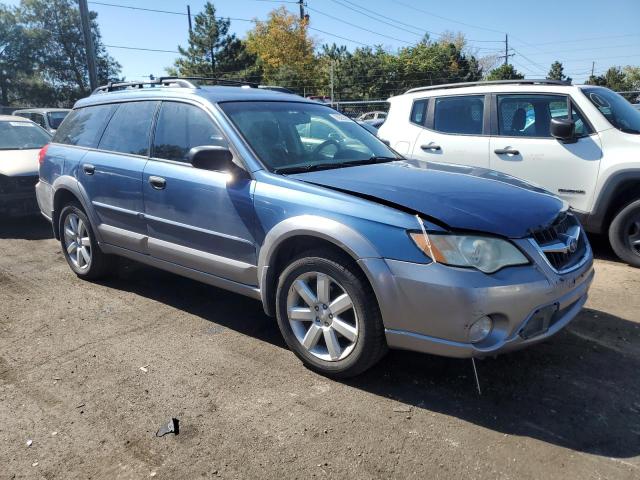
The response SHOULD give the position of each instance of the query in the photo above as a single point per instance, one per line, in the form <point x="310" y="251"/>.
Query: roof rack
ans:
<point x="180" y="82"/>
<point x="492" y="82"/>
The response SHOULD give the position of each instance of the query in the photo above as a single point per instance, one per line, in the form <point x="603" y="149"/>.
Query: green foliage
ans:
<point x="42" y="55"/>
<point x="556" y="72"/>
<point x="505" y="72"/>
<point x="213" y="51"/>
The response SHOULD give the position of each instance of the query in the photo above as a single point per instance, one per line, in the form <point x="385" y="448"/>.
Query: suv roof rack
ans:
<point x="180" y="82"/>
<point x="492" y="82"/>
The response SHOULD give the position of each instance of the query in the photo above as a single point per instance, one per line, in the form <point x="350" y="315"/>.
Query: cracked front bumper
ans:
<point x="430" y="307"/>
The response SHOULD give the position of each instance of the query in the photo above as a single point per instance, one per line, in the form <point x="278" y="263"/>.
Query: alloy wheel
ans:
<point x="322" y="316"/>
<point x="633" y="235"/>
<point x="77" y="242"/>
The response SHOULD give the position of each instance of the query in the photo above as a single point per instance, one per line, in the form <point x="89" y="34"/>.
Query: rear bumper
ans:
<point x="44" y="195"/>
<point x="430" y="307"/>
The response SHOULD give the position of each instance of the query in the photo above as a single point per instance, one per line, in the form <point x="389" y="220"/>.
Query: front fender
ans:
<point x="341" y="235"/>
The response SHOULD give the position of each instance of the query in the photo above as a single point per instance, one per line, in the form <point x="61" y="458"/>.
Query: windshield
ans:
<point x="22" y="136"/>
<point x="619" y="112"/>
<point x="291" y="136"/>
<point x="55" y="119"/>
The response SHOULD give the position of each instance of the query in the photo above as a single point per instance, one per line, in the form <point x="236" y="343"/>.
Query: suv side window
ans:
<point x="181" y="127"/>
<point x="419" y="111"/>
<point x="129" y="128"/>
<point x="84" y="126"/>
<point x="460" y="114"/>
<point x="530" y="115"/>
<point x="39" y="119"/>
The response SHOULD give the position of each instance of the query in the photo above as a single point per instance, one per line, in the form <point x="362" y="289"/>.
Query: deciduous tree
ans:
<point x="505" y="72"/>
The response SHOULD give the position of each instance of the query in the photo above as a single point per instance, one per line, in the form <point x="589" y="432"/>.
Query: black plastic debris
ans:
<point x="172" y="427"/>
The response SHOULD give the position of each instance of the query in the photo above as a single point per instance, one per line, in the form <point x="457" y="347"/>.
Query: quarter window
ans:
<point x="128" y="130"/>
<point x="84" y="126"/>
<point x="460" y="114"/>
<point x="180" y="128"/>
<point x="419" y="111"/>
<point x="530" y="115"/>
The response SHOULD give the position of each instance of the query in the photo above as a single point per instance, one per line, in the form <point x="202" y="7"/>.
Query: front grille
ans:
<point x="18" y="184"/>
<point x="555" y="242"/>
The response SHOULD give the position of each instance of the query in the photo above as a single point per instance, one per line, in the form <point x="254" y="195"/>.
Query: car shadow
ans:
<point x="602" y="248"/>
<point x="578" y="390"/>
<point x="33" y="227"/>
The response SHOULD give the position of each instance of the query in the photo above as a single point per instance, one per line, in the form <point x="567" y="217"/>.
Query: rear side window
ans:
<point x="129" y="128"/>
<point x="181" y="127"/>
<point x="84" y="126"/>
<point x="419" y="111"/>
<point x="461" y="114"/>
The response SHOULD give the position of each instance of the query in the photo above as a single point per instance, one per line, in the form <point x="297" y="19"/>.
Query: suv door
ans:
<point x="522" y="146"/>
<point x="455" y="131"/>
<point x="196" y="218"/>
<point x="112" y="174"/>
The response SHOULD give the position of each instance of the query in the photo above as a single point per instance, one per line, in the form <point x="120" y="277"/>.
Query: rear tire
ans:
<point x="334" y="326"/>
<point x="624" y="234"/>
<point x="79" y="245"/>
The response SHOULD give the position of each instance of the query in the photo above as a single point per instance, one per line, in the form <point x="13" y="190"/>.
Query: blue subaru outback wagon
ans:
<point x="352" y="247"/>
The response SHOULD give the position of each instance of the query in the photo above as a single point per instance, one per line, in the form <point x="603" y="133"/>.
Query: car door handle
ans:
<point x="506" y="151"/>
<point x="158" y="183"/>
<point x="431" y="146"/>
<point x="89" y="169"/>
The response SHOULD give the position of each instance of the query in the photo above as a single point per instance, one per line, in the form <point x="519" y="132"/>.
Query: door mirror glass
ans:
<point x="563" y="129"/>
<point x="214" y="158"/>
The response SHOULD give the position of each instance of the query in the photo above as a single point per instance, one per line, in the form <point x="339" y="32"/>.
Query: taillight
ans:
<point x="42" y="154"/>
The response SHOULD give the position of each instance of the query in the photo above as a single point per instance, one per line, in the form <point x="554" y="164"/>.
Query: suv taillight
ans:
<point x="42" y="154"/>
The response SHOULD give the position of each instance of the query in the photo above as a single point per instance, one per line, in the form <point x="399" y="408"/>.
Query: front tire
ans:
<point x="624" y="234"/>
<point x="329" y="315"/>
<point x="79" y="244"/>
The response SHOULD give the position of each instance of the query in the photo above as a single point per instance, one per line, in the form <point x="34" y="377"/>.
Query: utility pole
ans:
<point x="506" y="49"/>
<point x="88" y="44"/>
<point x="301" y="5"/>
<point x="593" y="66"/>
<point x="189" y="17"/>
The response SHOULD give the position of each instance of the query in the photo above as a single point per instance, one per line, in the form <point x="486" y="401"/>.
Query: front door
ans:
<point x="455" y="132"/>
<point x="197" y="218"/>
<point x="523" y="146"/>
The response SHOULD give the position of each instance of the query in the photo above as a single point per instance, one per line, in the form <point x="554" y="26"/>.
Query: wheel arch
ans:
<point x="298" y="234"/>
<point x="66" y="190"/>
<point x="619" y="190"/>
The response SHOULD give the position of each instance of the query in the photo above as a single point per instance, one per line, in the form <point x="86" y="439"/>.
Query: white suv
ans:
<point x="580" y="142"/>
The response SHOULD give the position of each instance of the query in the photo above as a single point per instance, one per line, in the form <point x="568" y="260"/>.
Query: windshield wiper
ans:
<point x="329" y="165"/>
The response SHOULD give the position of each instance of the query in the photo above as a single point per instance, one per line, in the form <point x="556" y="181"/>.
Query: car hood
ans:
<point x="19" y="162"/>
<point x="457" y="197"/>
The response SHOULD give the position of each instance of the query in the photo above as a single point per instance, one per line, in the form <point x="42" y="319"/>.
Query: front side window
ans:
<point x="530" y="115"/>
<point x="84" y="126"/>
<point x="460" y="114"/>
<point x="129" y="128"/>
<point x="180" y="128"/>
<point x="22" y="135"/>
<point x="287" y="136"/>
<point x="618" y="111"/>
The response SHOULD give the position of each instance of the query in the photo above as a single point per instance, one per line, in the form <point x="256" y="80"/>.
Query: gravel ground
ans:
<point x="71" y="382"/>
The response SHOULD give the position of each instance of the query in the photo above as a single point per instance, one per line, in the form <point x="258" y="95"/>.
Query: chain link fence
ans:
<point x="363" y="109"/>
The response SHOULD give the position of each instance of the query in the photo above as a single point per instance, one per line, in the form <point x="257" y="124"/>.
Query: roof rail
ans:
<point x="492" y="82"/>
<point x="181" y="82"/>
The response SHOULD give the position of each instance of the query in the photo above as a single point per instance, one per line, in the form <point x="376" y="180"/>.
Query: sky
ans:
<point x="576" y="32"/>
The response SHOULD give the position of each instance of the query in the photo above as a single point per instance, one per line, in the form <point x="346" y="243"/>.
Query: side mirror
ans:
<point x="563" y="129"/>
<point x="214" y="158"/>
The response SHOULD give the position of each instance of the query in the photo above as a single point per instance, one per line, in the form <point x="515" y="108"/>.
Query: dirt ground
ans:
<point x="71" y="382"/>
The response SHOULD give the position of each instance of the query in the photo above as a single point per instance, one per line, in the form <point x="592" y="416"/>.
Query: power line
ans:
<point x="137" y="8"/>
<point x="404" y="25"/>
<point x="142" y="49"/>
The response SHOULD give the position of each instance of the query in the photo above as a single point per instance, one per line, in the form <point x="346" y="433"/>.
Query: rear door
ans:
<point x="522" y="146"/>
<point x="112" y="175"/>
<point x="195" y="218"/>
<point x="456" y="130"/>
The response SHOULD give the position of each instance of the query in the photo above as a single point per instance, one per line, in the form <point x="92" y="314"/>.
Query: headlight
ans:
<point x="487" y="254"/>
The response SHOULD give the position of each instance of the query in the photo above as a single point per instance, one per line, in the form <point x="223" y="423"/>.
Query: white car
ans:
<point x="580" y="142"/>
<point x="48" y="118"/>
<point x="20" y="144"/>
